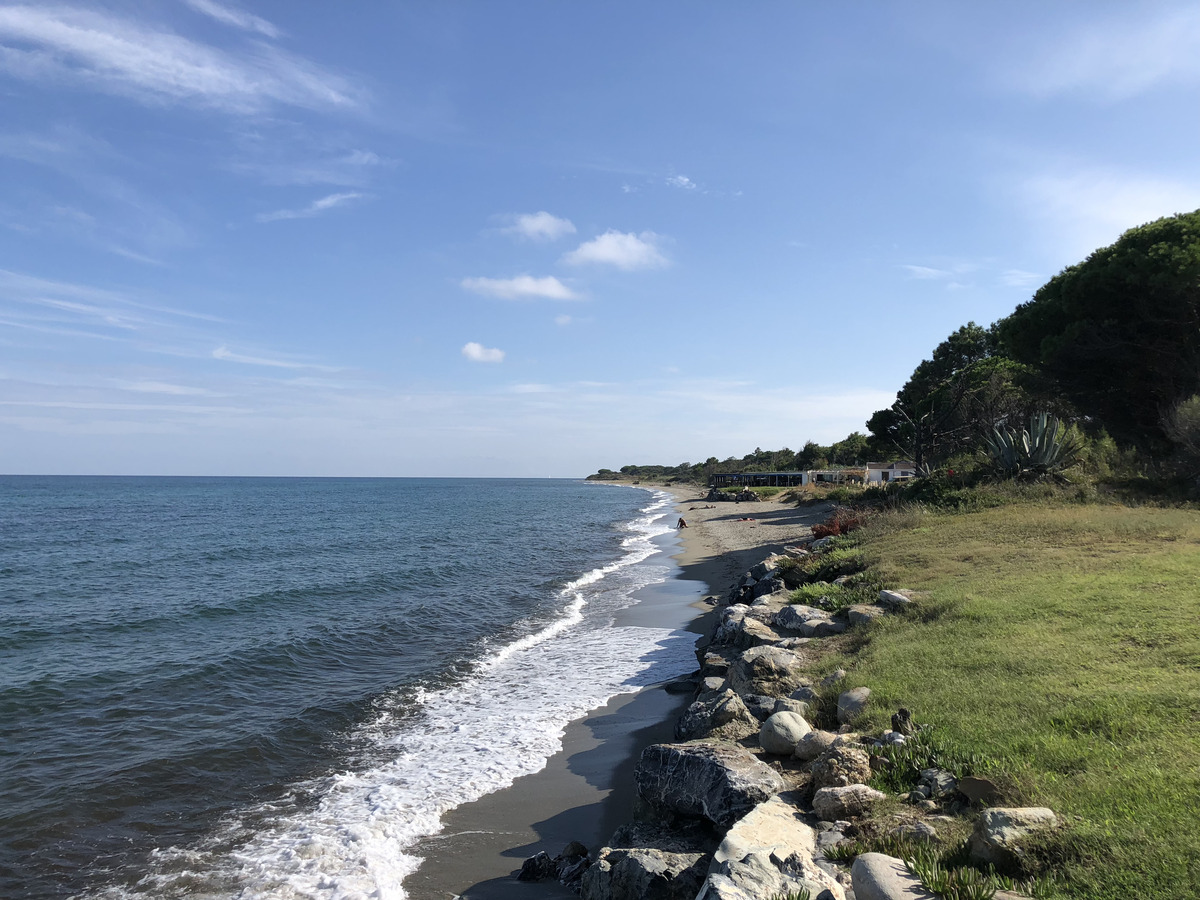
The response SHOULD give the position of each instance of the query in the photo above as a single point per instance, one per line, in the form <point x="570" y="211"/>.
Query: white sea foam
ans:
<point x="504" y="721"/>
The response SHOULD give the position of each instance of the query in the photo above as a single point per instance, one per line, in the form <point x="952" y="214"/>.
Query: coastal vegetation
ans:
<point x="1108" y="350"/>
<point x="1055" y="650"/>
<point x="1052" y="548"/>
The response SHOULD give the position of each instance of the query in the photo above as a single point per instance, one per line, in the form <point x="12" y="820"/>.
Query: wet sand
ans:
<point x="586" y="789"/>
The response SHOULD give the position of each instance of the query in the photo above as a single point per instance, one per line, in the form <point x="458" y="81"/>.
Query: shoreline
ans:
<point x="585" y="791"/>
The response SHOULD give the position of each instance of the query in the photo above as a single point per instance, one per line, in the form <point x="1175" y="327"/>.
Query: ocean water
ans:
<point x="244" y="688"/>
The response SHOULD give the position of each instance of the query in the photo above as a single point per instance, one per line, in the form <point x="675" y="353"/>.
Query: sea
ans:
<point x="274" y="688"/>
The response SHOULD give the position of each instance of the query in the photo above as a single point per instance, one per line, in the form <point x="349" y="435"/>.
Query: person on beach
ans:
<point x="681" y="523"/>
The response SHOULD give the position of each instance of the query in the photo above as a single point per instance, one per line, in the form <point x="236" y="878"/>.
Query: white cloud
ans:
<point x="534" y="389"/>
<point x="1019" y="278"/>
<point x="539" y="226"/>
<point x="163" y="387"/>
<point x="522" y="286"/>
<point x="1090" y="208"/>
<point x="927" y="273"/>
<point x="229" y="15"/>
<point x="313" y="209"/>
<point x="476" y="352"/>
<point x="1117" y="58"/>
<point x="682" y="182"/>
<point x="563" y="320"/>
<point x="94" y="50"/>
<point x="624" y="250"/>
<point x="225" y="354"/>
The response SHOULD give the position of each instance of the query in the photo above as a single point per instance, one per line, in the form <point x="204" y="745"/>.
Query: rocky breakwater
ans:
<point x="726" y="813"/>
<point x="751" y="795"/>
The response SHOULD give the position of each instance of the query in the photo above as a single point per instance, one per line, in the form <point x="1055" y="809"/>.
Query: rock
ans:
<point x="644" y="873"/>
<point x="880" y="877"/>
<point x="714" y="664"/>
<point x="568" y="867"/>
<point x="768" y="670"/>
<point x="760" y="706"/>
<point x="537" y="867"/>
<point x="939" y="781"/>
<point x="820" y="543"/>
<point x="729" y="624"/>
<point x="894" y="600"/>
<point x="865" y="613"/>
<point x="760" y="875"/>
<point x="765" y="569"/>
<point x="804" y="619"/>
<point x="852" y="704"/>
<point x="793" y="643"/>
<point x="830" y="838"/>
<point x="573" y="849"/>
<point x="681" y="686"/>
<point x="814" y="744"/>
<point x="756" y="633"/>
<point x="893" y="737"/>
<point x="757" y="877"/>
<point x="805" y="692"/>
<point x="774" y="827"/>
<point x="695" y="836"/>
<point x="784" y="704"/>
<point x="841" y="765"/>
<point x="713" y="684"/>
<point x="920" y="832"/>
<point x="570" y="870"/>
<point x="782" y="731"/>
<point x="902" y="722"/>
<point x="833" y="803"/>
<point x="719" y="781"/>
<point x="768" y="586"/>
<point x="722" y="716"/>
<point x="999" y="832"/>
<point x="743" y="627"/>
<point x="978" y="790"/>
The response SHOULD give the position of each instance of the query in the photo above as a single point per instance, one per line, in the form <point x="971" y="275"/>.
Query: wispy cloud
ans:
<point x="226" y="355"/>
<point x="313" y="209"/>
<point x="229" y="15"/>
<point x="163" y="387"/>
<point x="624" y="250"/>
<point x="476" y="352"/>
<point x="97" y="51"/>
<point x="521" y="287"/>
<point x="926" y="273"/>
<point x="1019" y="278"/>
<point x="563" y="321"/>
<point x="1120" y="57"/>
<point x="538" y="226"/>
<point x="682" y="182"/>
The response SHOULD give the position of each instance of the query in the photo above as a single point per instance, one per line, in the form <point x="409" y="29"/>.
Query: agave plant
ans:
<point x="1044" y="448"/>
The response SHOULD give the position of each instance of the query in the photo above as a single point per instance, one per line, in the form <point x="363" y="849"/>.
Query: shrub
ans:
<point x="842" y="520"/>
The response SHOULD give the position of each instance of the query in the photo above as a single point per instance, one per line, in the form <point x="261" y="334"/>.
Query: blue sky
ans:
<point x="282" y="238"/>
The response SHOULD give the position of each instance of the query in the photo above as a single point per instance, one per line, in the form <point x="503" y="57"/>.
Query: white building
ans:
<point x="880" y="473"/>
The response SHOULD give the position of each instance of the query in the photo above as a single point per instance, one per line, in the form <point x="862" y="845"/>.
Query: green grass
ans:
<point x="1060" y="645"/>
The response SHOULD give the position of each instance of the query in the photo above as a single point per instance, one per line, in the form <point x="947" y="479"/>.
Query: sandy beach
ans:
<point x="586" y="789"/>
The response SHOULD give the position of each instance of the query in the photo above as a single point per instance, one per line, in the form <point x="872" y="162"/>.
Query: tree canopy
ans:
<point x="1120" y="332"/>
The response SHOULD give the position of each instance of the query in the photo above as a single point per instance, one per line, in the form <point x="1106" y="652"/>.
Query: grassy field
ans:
<point x="1062" y="645"/>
